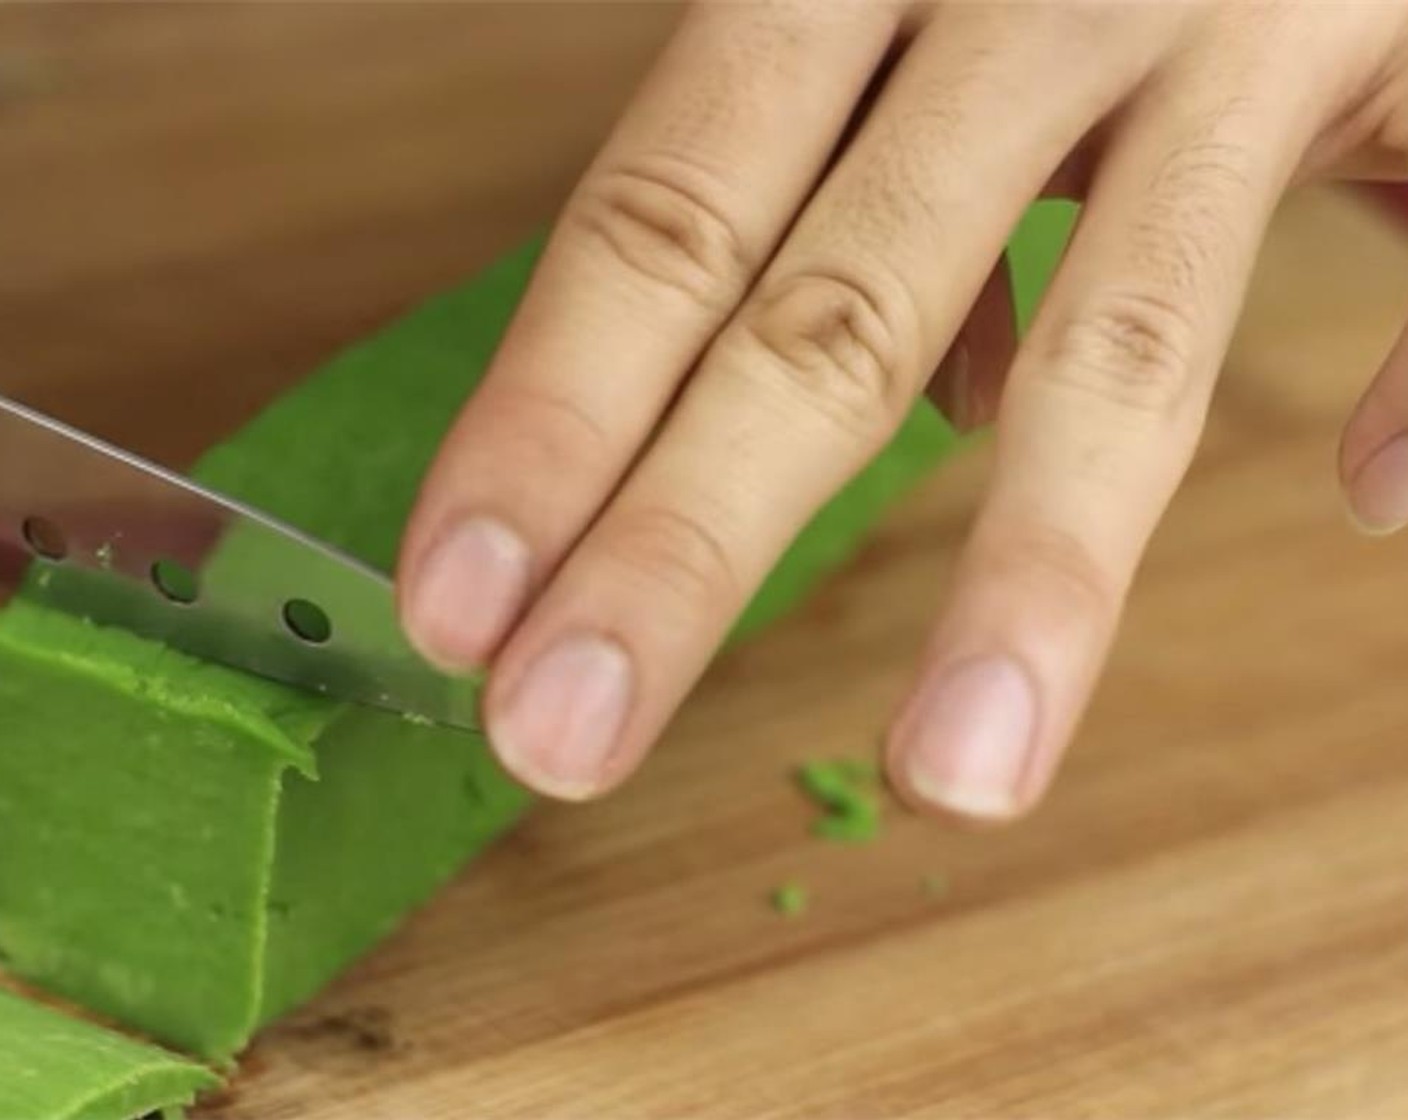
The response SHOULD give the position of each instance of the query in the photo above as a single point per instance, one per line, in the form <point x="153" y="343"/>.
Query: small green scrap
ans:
<point x="935" y="884"/>
<point x="790" y="899"/>
<point x="848" y="790"/>
<point x="103" y="554"/>
<point x="861" y="770"/>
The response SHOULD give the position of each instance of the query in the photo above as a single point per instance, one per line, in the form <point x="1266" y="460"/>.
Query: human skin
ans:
<point x="794" y="231"/>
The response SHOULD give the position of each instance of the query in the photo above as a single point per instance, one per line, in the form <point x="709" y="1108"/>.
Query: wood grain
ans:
<point x="202" y="201"/>
<point x="1206" y="920"/>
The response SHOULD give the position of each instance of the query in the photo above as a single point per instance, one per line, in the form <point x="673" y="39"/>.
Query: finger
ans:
<point x="816" y="370"/>
<point x="968" y="384"/>
<point x="1374" y="450"/>
<point x="653" y="251"/>
<point x="1102" y="410"/>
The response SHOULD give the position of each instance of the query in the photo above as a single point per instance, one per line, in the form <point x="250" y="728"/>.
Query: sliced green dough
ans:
<point x="53" y="1067"/>
<point x="191" y="851"/>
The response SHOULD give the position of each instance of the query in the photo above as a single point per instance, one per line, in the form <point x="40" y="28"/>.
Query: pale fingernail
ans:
<point x="967" y="738"/>
<point x="469" y="590"/>
<point x="1378" y="494"/>
<point x="558" y="728"/>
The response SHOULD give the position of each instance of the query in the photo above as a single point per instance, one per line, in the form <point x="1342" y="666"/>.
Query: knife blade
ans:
<point x="97" y="532"/>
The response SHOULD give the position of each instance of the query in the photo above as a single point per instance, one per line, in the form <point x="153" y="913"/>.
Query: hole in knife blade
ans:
<point x="307" y="621"/>
<point x="45" y="538"/>
<point x="176" y="582"/>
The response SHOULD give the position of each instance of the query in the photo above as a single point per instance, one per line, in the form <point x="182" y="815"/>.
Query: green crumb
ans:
<point x="103" y="554"/>
<point x="790" y="899"/>
<point x="848" y="790"/>
<point x="856" y="826"/>
<point x="56" y="1067"/>
<point x="935" y="884"/>
<point x="417" y="719"/>
<point x="865" y="770"/>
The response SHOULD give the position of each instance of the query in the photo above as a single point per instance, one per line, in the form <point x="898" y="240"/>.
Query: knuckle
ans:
<point x="666" y="232"/>
<point x="1210" y="166"/>
<point x="1191" y="221"/>
<point x="1053" y="566"/>
<point x="549" y="429"/>
<point x="1130" y="349"/>
<point x="679" y="552"/>
<point x="836" y="342"/>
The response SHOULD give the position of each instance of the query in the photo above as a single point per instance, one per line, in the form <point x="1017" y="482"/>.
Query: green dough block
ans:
<point x="192" y="851"/>
<point x="53" y="1067"/>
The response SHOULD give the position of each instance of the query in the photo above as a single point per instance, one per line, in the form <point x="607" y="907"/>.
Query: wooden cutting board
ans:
<point x="1208" y="919"/>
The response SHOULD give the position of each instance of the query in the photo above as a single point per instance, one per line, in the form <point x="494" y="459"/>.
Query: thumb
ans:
<point x="1374" y="449"/>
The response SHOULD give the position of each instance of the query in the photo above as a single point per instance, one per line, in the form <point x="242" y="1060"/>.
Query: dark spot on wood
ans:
<point x="253" y="1062"/>
<point x="367" y="1030"/>
<point x="216" y="1102"/>
<point x="213" y="1103"/>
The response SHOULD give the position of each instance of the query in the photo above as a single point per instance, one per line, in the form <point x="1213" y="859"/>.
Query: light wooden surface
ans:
<point x="1209" y="919"/>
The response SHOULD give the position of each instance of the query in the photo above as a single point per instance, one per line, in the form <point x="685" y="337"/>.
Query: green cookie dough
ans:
<point x="193" y="852"/>
<point x="53" y="1067"/>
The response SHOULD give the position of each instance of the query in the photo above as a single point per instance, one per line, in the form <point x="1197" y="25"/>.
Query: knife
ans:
<point x="97" y="532"/>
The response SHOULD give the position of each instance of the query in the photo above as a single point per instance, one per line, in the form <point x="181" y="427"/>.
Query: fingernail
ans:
<point x="470" y="588"/>
<point x="558" y="727"/>
<point x="967" y="737"/>
<point x="1378" y="494"/>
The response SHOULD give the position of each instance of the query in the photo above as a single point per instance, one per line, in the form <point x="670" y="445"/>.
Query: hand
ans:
<point x="774" y="252"/>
